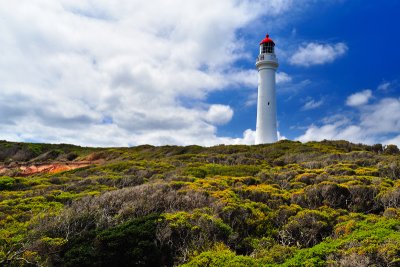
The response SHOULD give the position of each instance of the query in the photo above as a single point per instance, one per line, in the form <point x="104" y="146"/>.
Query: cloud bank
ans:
<point x="116" y="73"/>
<point x="317" y="54"/>
<point x="373" y="123"/>
<point x="358" y="99"/>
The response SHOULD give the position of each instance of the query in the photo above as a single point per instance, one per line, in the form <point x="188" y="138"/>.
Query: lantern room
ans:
<point x="267" y="45"/>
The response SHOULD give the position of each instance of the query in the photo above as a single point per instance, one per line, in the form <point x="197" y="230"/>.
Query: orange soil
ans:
<point x="27" y="169"/>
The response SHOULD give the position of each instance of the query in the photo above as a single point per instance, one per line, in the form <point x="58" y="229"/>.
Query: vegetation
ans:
<point x="329" y="203"/>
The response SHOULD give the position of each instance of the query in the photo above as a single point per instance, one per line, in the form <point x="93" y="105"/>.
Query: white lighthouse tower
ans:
<point x="266" y="64"/>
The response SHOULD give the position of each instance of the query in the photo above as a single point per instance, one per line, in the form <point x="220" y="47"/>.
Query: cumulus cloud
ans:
<point x="112" y="73"/>
<point x="249" y="138"/>
<point x="360" y="98"/>
<point x="219" y="114"/>
<point x="317" y="54"/>
<point x="334" y="131"/>
<point x="375" y="123"/>
<point x="282" y="77"/>
<point x="383" y="117"/>
<point x="312" y="104"/>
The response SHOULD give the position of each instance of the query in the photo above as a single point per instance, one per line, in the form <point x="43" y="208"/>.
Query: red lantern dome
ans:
<point x="267" y="40"/>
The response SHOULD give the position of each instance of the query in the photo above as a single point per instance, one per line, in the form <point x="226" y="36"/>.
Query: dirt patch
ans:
<point x="26" y="169"/>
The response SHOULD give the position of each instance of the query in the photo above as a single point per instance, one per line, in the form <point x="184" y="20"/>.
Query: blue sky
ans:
<point x="371" y="60"/>
<point x="123" y="73"/>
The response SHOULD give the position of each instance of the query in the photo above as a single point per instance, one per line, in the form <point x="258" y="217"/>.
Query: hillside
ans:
<point x="330" y="203"/>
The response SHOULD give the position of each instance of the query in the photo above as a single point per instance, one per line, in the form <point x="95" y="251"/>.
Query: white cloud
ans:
<point x="219" y="114"/>
<point x="249" y="138"/>
<point x="388" y="86"/>
<point x="282" y="77"/>
<point x="375" y="123"/>
<point x="334" y="131"/>
<point x="384" y="86"/>
<point x="393" y="141"/>
<point x="251" y="100"/>
<point x="245" y="77"/>
<point x="112" y="73"/>
<point x="360" y="98"/>
<point x="249" y="78"/>
<point x="312" y="104"/>
<point x="317" y="54"/>
<point x="383" y="117"/>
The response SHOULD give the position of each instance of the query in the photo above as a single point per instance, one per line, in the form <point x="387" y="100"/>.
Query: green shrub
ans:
<point x="391" y="150"/>
<point x="221" y="258"/>
<point x="217" y="169"/>
<point x="307" y="228"/>
<point x="324" y="194"/>
<point x="327" y="203"/>
<point x="6" y="183"/>
<point x="131" y="243"/>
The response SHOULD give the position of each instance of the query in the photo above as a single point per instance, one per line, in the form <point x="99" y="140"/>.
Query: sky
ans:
<point x="178" y="72"/>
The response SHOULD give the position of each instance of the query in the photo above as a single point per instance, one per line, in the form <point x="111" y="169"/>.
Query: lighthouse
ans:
<point x="266" y="64"/>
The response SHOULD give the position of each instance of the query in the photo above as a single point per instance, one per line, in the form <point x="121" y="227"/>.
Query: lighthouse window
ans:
<point x="267" y="48"/>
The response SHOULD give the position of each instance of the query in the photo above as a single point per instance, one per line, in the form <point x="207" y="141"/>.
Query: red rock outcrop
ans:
<point x="26" y="169"/>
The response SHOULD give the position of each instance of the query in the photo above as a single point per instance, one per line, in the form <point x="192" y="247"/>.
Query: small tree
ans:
<point x="377" y="148"/>
<point x="306" y="229"/>
<point x="391" y="150"/>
